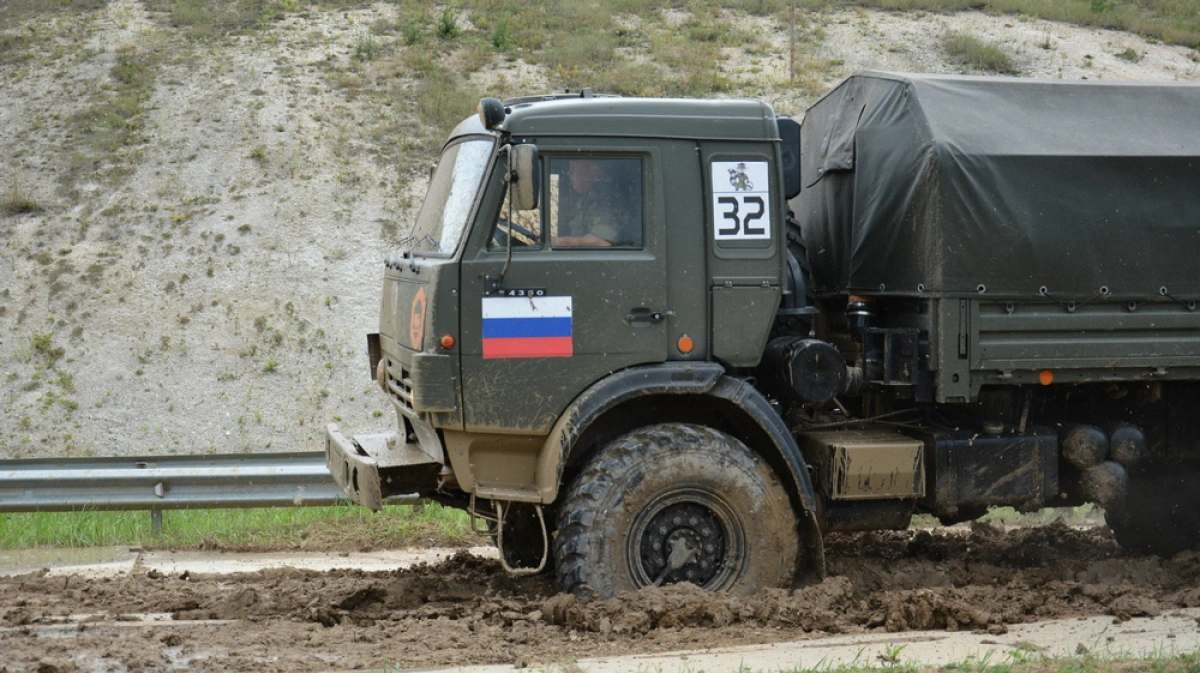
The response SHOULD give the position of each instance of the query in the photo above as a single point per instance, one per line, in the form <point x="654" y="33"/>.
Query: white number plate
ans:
<point x="741" y="200"/>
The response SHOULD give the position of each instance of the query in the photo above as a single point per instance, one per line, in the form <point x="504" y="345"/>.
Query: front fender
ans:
<point x="735" y="401"/>
<point x="672" y="378"/>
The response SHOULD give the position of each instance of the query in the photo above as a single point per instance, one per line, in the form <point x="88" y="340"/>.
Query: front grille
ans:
<point x="399" y="383"/>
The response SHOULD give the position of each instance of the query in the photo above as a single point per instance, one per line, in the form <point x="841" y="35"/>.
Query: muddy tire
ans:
<point x="672" y="503"/>
<point x="1160" y="513"/>
<point x="962" y="515"/>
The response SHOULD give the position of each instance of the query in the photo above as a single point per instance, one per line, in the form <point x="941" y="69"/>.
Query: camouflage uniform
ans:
<point x="599" y="212"/>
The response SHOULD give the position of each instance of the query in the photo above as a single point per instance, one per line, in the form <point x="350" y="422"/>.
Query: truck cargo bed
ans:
<point x="1063" y="191"/>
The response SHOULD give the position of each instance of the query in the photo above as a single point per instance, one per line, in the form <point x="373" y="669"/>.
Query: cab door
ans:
<point x="545" y="314"/>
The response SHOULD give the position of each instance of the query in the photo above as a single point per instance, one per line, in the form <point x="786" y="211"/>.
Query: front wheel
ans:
<point x="675" y="503"/>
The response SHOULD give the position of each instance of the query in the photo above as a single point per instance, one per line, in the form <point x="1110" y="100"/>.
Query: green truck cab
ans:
<point x="649" y="341"/>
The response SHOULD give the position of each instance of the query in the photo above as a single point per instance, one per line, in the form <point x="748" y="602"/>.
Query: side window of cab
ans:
<point x="595" y="202"/>
<point x="587" y="201"/>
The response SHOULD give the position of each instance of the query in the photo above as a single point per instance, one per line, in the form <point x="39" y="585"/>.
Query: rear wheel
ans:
<point x="675" y="503"/>
<point x="1160" y="513"/>
<point x="962" y="514"/>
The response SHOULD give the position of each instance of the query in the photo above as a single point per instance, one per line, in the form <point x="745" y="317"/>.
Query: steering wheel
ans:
<point x="521" y="236"/>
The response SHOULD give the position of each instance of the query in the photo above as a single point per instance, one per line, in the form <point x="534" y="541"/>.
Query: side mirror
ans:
<point x="524" y="177"/>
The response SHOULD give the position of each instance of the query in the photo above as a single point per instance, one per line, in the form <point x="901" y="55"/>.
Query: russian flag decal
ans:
<point x="527" y="327"/>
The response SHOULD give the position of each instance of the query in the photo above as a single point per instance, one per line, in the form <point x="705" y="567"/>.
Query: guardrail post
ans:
<point x="156" y="522"/>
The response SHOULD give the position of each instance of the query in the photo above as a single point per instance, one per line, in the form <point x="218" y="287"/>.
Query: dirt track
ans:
<point x="467" y="611"/>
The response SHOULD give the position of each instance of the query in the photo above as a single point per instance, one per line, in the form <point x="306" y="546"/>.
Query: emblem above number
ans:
<point x="741" y="200"/>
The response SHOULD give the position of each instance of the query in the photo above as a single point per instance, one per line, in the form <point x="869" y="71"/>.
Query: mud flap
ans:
<point x="812" y="554"/>
<point x="750" y="402"/>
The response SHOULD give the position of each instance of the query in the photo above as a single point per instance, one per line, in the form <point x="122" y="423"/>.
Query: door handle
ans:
<point x="644" y="316"/>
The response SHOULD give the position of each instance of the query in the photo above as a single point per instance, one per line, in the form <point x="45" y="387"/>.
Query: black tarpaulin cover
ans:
<point x="946" y="184"/>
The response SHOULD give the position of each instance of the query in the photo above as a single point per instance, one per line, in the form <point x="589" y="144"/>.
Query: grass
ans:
<point x="530" y="24"/>
<point x="15" y="47"/>
<point x="447" y="25"/>
<point x="977" y="54"/>
<point x="1130" y="54"/>
<point x="442" y="99"/>
<point x="17" y="202"/>
<point x="1020" y="661"/>
<point x="1172" y="21"/>
<point x="620" y="46"/>
<point x="1083" y="515"/>
<point x="214" y="18"/>
<point x="112" y="124"/>
<point x="318" y="528"/>
<point x="16" y="11"/>
<point x="337" y="527"/>
<point x="367" y="49"/>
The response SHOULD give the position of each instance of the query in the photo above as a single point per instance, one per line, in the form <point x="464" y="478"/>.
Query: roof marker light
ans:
<point x="491" y="112"/>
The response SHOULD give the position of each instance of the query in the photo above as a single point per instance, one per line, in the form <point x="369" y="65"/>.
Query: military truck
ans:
<point x="936" y="295"/>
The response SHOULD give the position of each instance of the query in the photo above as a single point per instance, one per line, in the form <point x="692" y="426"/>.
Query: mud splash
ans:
<point x="467" y="610"/>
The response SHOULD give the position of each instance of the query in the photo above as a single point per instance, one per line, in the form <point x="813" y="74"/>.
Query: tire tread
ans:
<point x="580" y="520"/>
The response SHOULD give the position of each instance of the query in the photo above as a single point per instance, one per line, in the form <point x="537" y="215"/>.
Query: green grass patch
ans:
<point x="442" y="99"/>
<point x="217" y="18"/>
<point x="1021" y="660"/>
<point x="113" y="121"/>
<point x="24" y="35"/>
<point x="367" y="48"/>
<point x="1173" y="21"/>
<point x="16" y="47"/>
<point x="14" y="12"/>
<point x="1129" y="54"/>
<point x="447" y="25"/>
<point x="977" y="54"/>
<point x="17" y="202"/>
<point x="1083" y="515"/>
<point x="338" y="527"/>
<point x="107" y="129"/>
<point x="213" y="18"/>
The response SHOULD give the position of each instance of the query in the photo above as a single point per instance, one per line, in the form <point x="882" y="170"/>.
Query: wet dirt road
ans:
<point x="466" y="611"/>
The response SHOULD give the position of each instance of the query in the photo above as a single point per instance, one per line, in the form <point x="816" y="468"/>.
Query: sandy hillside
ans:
<point x="204" y="282"/>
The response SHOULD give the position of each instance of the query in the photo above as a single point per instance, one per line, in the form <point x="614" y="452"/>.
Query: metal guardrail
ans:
<point x="159" y="483"/>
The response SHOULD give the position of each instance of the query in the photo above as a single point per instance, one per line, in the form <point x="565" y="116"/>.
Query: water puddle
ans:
<point x="77" y="559"/>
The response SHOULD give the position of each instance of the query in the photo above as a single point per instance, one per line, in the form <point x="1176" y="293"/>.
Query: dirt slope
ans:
<point x="190" y="245"/>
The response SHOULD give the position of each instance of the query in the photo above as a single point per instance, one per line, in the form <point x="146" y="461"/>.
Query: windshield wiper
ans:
<point x="432" y="241"/>
<point x="402" y="246"/>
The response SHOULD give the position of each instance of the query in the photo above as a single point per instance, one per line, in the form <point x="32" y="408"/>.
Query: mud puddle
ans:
<point x="468" y="611"/>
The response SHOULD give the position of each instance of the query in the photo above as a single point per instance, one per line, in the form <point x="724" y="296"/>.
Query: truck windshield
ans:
<point x="452" y="191"/>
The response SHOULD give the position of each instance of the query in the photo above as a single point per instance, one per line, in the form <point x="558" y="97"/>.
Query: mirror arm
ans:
<point x="508" y="180"/>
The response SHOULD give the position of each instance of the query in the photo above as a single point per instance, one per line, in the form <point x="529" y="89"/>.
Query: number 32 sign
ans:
<point x="741" y="200"/>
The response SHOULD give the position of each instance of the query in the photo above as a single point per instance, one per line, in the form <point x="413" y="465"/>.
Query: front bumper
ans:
<point x="355" y="471"/>
<point x="372" y="468"/>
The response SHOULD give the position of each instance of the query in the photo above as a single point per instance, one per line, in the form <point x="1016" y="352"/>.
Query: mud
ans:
<point x="467" y="610"/>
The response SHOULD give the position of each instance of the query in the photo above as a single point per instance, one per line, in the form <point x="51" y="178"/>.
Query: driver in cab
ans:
<point x="591" y="212"/>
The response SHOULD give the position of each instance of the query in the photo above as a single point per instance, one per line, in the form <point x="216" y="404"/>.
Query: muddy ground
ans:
<point x="468" y="611"/>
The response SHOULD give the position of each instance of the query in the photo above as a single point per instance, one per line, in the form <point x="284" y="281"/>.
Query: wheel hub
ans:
<point x="683" y="542"/>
